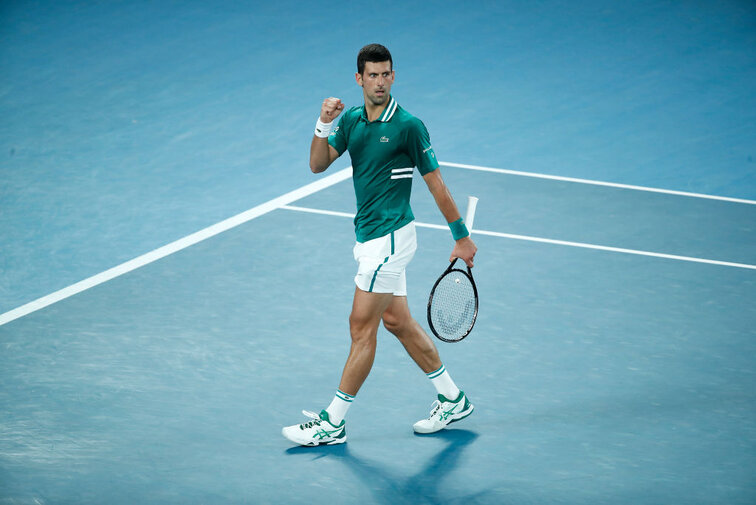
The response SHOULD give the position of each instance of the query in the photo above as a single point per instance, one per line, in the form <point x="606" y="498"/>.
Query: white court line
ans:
<point x="283" y="201"/>
<point x="176" y="246"/>
<point x="546" y="240"/>
<point x="596" y="183"/>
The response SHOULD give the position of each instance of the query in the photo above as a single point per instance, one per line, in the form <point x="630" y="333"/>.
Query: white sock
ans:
<point x="444" y="383"/>
<point x="339" y="406"/>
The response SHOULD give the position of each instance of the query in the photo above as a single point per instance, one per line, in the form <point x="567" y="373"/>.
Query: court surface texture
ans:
<point x="175" y="284"/>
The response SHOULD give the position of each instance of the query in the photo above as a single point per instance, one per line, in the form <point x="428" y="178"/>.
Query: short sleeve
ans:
<point x="419" y="147"/>
<point x="337" y="139"/>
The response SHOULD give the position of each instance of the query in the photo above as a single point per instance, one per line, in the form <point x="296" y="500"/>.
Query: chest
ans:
<point x="379" y="142"/>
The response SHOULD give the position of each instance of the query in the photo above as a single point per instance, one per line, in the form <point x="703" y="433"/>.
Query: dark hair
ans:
<point x="374" y="53"/>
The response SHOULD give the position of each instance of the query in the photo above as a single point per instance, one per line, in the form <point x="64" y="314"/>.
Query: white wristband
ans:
<point x="322" y="129"/>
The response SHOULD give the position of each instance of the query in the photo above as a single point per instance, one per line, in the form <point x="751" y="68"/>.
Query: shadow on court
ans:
<point x="388" y="486"/>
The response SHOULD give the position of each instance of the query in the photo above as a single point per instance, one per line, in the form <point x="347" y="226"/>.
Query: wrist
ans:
<point x="322" y="129"/>
<point x="458" y="229"/>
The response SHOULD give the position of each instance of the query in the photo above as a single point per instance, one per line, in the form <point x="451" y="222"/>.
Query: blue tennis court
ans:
<point x="175" y="284"/>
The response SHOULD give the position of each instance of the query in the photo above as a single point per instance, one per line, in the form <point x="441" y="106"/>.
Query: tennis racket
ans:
<point x="453" y="301"/>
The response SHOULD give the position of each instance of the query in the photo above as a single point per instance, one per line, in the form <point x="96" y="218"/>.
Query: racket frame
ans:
<point x="469" y="275"/>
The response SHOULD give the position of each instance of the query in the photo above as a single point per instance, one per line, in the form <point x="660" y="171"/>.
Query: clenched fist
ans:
<point x="331" y="109"/>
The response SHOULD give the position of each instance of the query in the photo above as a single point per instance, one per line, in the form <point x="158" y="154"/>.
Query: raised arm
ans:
<point x="322" y="154"/>
<point x="464" y="248"/>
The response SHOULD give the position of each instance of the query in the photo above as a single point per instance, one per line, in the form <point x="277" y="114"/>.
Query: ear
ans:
<point x="358" y="78"/>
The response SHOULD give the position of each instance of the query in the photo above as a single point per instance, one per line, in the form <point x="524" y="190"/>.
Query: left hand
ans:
<point x="465" y="250"/>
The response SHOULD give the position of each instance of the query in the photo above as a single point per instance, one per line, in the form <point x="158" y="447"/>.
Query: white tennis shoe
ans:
<point x="316" y="432"/>
<point x="444" y="412"/>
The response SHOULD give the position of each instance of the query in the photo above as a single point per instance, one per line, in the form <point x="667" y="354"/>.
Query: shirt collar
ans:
<point x="387" y="113"/>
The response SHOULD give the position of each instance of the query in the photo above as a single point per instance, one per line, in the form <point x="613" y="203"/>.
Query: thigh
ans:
<point x="367" y="308"/>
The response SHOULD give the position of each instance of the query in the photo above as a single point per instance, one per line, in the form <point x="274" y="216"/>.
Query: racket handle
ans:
<point x="472" y="203"/>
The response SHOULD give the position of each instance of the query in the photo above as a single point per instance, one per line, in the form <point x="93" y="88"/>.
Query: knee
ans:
<point x="395" y="325"/>
<point x="361" y="330"/>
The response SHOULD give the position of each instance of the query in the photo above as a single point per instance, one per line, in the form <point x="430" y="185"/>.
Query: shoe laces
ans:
<point x="315" y="420"/>
<point x="435" y="406"/>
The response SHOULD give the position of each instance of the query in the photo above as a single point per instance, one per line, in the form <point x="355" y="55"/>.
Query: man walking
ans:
<point x="385" y="144"/>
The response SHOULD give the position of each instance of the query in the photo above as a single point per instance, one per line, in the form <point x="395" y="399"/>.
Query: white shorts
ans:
<point x="383" y="260"/>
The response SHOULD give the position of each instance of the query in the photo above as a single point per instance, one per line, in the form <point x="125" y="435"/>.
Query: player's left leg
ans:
<point x="452" y="404"/>
<point x="398" y="320"/>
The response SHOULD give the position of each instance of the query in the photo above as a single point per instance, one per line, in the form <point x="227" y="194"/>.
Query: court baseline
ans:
<point x="596" y="183"/>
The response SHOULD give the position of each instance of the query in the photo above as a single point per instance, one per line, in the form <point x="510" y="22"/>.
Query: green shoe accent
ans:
<point x="443" y="399"/>
<point x="460" y="418"/>
<point x="324" y="416"/>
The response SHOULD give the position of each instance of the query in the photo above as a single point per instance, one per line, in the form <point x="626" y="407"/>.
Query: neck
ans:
<point x="374" y="111"/>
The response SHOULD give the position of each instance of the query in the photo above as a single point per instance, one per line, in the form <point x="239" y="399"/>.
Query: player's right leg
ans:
<point x="364" y="320"/>
<point x="328" y="426"/>
<point x="380" y="271"/>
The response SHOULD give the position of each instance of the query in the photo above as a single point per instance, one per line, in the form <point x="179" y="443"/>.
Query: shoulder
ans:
<point x="409" y="123"/>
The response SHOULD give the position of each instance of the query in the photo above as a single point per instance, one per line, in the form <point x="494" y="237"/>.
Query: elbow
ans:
<point x="317" y="166"/>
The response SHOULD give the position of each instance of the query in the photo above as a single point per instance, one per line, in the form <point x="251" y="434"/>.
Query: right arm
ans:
<point x="322" y="154"/>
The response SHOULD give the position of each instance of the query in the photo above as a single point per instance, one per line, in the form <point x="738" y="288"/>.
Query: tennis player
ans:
<point x="386" y="144"/>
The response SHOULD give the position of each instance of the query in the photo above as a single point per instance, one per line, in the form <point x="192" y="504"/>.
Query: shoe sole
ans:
<point x="314" y="444"/>
<point x="332" y="442"/>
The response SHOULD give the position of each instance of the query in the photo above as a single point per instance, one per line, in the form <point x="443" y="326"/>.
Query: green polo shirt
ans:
<point x="384" y="155"/>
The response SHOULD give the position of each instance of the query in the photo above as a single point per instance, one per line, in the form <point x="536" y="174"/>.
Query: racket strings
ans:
<point x="453" y="306"/>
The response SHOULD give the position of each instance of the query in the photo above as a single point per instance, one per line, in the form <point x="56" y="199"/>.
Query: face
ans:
<point x="376" y="80"/>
